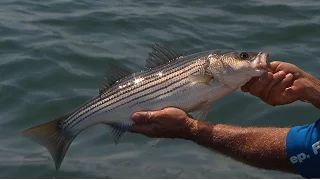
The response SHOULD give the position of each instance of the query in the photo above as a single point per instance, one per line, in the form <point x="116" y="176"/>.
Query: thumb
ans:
<point x="274" y="65"/>
<point x="143" y="117"/>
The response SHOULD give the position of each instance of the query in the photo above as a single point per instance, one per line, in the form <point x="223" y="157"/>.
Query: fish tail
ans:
<point x="53" y="137"/>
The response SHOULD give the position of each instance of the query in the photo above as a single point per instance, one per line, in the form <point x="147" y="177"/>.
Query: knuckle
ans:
<point x="149" y="116"/>
<point x="166" y="111"/>
<point x="255" y="92"/>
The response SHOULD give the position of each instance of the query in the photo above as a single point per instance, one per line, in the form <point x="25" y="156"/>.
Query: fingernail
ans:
<point x="136" y="116"/>
<point x="289" y="76"/>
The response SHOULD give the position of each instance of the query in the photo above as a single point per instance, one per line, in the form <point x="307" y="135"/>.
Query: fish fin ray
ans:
<point x="113" y="74"/>
<point x="200" y="111"/>
<point x="160" y="55"/>
<point x="51" y="136"/>
<point x="200" y="114"/>
<point x="117" y="131"/>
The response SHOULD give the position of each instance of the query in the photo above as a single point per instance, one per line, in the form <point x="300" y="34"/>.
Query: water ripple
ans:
<point x="53" y="55"/>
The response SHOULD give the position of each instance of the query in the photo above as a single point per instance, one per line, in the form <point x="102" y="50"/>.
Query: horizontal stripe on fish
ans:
<point x="147" y="84"/>
<point x="146" y="74"/>
<point x="169" y="68"/>
<point x="164" y="87"/>
<point x="176" y="87"/>
<point x="100" y="105"/>
<point x="152" y="86"/>
<point x="173" y="67"/>
<point x="152" y="94"/>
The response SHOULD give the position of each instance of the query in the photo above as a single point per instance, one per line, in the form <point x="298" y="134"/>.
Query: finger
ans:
<point x="245" y="87"/>
<point x="282" y="85"/>
<point x="274" y="65"/>
<point x="256" y="87"/>
<point x="291" y="93"/>
<point x="144" y="117"/>
<point x="168" y="112"/>
<point x="276" y="78"/>
<point x="144" y="129"/>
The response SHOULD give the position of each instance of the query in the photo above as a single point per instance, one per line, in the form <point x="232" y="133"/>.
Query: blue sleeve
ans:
<point x="303" y="147"/>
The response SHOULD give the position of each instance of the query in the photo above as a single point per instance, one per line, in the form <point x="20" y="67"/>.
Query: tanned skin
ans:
<point x="262" y="147"/>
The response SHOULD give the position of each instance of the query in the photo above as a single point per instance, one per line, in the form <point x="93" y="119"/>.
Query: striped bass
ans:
<point x="191" y="83"/>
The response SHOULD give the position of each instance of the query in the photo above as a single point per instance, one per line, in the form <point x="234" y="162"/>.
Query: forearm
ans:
<point x="260" y="147"/>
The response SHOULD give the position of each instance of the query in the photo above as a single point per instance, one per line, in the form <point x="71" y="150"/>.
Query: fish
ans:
<point x="191" y="83"/>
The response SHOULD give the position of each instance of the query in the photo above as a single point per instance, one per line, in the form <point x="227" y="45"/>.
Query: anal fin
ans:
<point x="200" y="111"/>
<point x="200" y="114"/>
<point x="117" y="131"/>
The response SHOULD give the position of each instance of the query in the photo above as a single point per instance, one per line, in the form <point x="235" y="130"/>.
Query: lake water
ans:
<point x="52" y="59"/>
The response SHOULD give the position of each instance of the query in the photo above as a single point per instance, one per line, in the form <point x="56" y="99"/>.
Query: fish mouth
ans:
<point x="260" y="62"/>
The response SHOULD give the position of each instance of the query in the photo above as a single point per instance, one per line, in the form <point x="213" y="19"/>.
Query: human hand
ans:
<point x="286" y="84"/>
<point x="166" y="123"/>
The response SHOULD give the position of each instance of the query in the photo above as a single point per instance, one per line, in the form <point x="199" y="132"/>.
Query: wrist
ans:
<point x="200" y="131"/>
<point x="191" y="129"/>
<point x="312" y="90"/>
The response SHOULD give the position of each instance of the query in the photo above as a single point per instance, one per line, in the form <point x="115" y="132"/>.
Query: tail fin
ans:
<point x="52" y="137"/>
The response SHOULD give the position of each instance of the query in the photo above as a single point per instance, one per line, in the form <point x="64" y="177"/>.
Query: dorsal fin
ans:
<point x="113" y="74"/>
<point x="161" y="54"/>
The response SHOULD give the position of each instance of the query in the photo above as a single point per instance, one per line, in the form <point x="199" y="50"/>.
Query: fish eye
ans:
<point x="244" y="55"/>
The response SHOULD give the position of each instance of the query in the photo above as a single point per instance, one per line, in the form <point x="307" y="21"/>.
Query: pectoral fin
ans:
<point x="201" y="78"/>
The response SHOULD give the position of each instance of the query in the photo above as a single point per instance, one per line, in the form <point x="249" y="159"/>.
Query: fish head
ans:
<point x="236" y="68"/>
